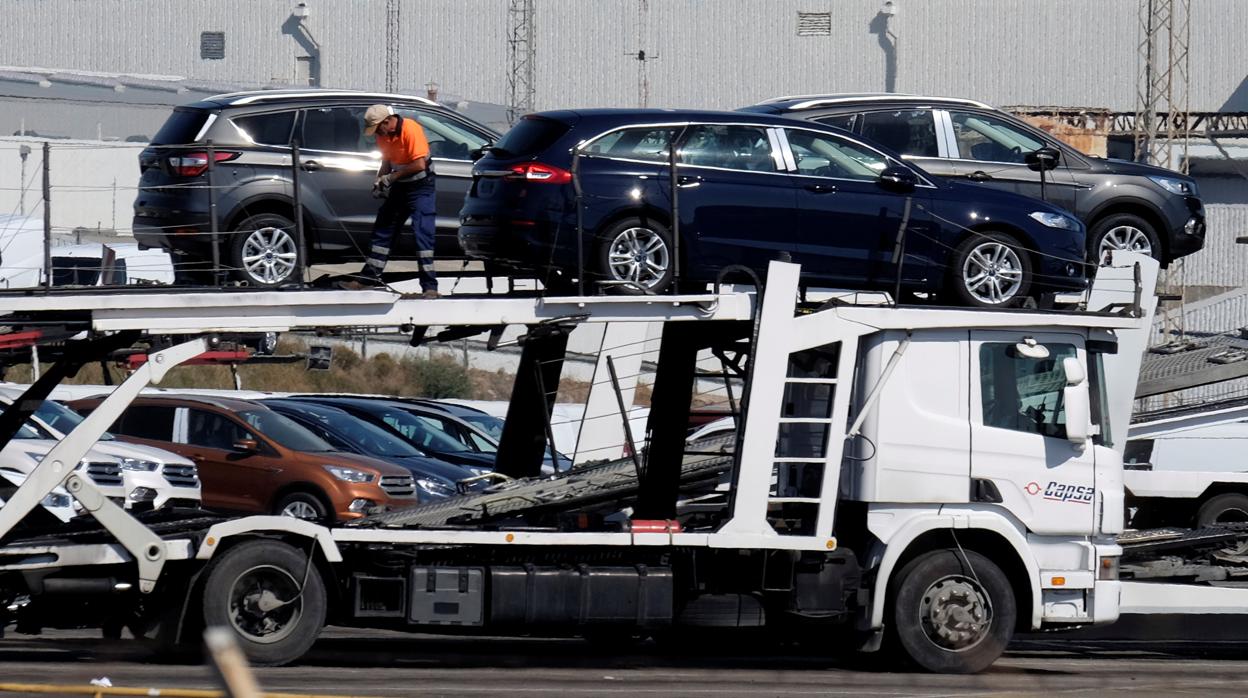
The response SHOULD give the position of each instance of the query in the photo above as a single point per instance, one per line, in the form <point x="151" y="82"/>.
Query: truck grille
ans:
<point x="104" y="473"/>
<point x="398" y="485"/>
<point x="181" y="475"/>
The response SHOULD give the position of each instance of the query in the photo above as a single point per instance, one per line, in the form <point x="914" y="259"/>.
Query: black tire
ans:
<point x="1013" y="272"/>
<point x="314" y="507"/>
<point x="650" y="235"/>
<point x="1125" y="229"/>
<point x="914" y="592"/>
<point x="272" y="236"/>
<point x="271" y="571"/>
<point x="1222" y="509"/>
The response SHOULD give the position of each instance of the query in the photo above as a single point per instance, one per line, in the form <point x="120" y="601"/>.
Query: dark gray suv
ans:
<point x="1126" y="205"/>
<point x="251" y="133"/>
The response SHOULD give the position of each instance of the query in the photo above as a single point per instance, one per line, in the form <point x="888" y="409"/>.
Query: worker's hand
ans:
<point x="384" y="180"/>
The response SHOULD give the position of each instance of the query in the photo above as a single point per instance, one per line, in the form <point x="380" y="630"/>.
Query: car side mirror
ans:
<point x="1077" y="402"/>
<point x="897" y="179"/>
<point x="246" y="445"/>
<point x="1043" y="159"/>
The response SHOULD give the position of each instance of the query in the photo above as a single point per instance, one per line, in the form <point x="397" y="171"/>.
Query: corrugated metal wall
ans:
<point x="708" y="53"/>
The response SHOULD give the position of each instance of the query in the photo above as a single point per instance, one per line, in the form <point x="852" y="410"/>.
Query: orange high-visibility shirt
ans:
<point x="406" y="146"/>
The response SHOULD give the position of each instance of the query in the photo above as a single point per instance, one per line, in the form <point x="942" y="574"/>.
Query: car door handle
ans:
<point x="979" y="176"/>
<point x="688" y="181"/>
<point x="820" y="188"/>
<point x="312" y="166"/>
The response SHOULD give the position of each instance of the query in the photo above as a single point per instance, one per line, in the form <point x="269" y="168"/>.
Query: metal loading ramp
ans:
<point x="607" y="487"/>
<point x="1192" y="365"/>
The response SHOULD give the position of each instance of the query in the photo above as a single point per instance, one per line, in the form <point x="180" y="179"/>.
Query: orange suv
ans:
<point x="252" y="459"/>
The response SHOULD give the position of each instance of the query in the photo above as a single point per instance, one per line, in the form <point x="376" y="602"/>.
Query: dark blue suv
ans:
<point x="751" y="188"/>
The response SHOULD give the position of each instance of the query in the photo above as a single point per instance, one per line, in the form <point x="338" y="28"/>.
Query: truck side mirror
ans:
<point x="1078" y="403"/>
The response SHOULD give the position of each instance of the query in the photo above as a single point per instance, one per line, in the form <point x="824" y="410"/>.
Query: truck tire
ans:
<point x="953" y="611"/>
<point x="255" y="590"/>
<point x="1222" y="509"/>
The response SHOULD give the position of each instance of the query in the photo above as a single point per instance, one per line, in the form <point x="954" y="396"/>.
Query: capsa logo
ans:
<point x="1062" y="492"/>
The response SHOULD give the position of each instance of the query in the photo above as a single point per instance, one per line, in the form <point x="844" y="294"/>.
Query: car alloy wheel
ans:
<point x="992" y="273"/>
<point x="1125" y="237"/>
<point x="269" y="255"/>
<point x="639" y="256"/>
<point x="300" y="509"/>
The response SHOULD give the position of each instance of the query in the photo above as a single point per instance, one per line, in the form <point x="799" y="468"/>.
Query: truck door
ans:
<point x="1018" y="432"/>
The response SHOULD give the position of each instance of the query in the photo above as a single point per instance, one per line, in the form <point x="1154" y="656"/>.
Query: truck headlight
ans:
<point x="1174" y="185"/>
<point x="1053" y="220"/>
<point x="138" y="465"/>
<point x="348" y="474"/>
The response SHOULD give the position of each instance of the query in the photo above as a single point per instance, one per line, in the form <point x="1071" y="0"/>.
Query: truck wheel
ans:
<point x="257" y="589"/>
<point x="952" y="611"/>
<point x="1223" y="509"/>
<point x="263" y="251"/>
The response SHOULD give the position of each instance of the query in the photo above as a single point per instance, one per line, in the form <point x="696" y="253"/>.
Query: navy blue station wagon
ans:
<point x="750" y="188"/>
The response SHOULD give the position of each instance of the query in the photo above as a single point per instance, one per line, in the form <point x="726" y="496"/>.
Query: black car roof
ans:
<point x="601" y="116"/>
<point x="779" y="105"/>
<point x="267" y="97"/>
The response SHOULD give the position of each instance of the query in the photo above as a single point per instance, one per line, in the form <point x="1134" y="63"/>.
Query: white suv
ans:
<point x="142" y="475"/>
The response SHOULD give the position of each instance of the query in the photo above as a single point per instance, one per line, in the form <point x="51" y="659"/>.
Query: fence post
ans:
<point x="212" y="217"/>
<point x="302" y="249"/>
<point x="47" y="217"/>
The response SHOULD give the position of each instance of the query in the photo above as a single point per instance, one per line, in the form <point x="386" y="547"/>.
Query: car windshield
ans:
<point x="488" y="423"/>
<point x="423" y="432"/>
<point x="62" y="419"/>
<point x="366" y="437"/>
<point x="285" y="431"/>
<point x="31" y="432"/>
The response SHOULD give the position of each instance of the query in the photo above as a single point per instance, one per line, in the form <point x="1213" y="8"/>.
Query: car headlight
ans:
<point x="56" y="501"/>
<point x="435" y="488"/>
<point x="1054" y="220"/>
<point x="348" y="474"/>
<point x="1174" y="185"/>
<point x="138" y="464"/>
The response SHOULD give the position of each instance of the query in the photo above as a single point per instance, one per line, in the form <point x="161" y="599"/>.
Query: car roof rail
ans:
<point x="258" y="96"/>
<point x="812" y="101"/>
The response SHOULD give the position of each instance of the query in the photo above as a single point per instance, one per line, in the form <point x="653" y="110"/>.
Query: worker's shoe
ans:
<point x="430" y="295"/>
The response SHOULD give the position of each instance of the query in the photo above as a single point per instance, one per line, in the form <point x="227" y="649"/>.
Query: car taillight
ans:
<point x="195" y="164"/>
<point x="537" y="172"/>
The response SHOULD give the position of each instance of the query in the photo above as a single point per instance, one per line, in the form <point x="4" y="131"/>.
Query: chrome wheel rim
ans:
<point x="638" y="256"/>
<point x="265" y="604"/>
<point x="269" y="255"/>
<point x="955" y="613"/>
<point x="1126" y="237"/>
<point x="992" y="273"/>
<point x="300" y="509"/>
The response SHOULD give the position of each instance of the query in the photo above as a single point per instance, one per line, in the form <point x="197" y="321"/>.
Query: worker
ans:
<point x="406" y="181"/>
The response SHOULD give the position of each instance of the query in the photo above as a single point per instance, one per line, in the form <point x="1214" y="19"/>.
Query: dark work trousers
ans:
<point x="414" y="200"/>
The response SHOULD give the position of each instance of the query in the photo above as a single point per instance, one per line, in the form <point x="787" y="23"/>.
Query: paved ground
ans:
<point x="391" y="664"/>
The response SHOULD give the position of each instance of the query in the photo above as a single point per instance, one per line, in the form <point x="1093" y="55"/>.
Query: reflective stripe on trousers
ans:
<point x="416" y="201"/>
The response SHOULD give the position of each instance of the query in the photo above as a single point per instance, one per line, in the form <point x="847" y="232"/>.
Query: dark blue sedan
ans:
<point x="751" y="188"/>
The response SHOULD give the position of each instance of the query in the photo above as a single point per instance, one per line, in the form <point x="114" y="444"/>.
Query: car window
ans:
<point x="423" y="432"/>
<point x="649" y="144"/>
<point x="339" y="129"/>
<point x="530" y="135"/>
<point x="845" y="121"/>
<point x="181" y="127"/>
<point x="1024" y="394"/>
<point x="989" y="139"/>
<point x="347" y="431"/>
<point x="907" y="131"/>
<point x="147" y="422"/>
<point x="267" y="129"/>
<point x="491" y="425"/>
<point x="825" y="155"/>
<point x="60" y="418"/>
<point x="285" y="431"/>
<point x="447" y="137"/>
<point x="31" y="431"/>
<point x="481" y="443"/>
<point x="727" y="146"/>
<point x="211" y="430"/>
